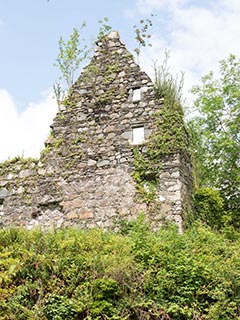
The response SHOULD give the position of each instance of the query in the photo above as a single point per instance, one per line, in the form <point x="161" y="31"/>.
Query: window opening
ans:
<point x="136" y="94"/>
<point x="138" y="135"/>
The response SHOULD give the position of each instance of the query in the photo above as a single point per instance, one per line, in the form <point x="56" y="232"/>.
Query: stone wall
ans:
<point x="84" y="176"/>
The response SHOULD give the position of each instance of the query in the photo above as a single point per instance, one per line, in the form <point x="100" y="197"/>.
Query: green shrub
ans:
<point x="79" y="274"/>
<point x="209" y="207"/>
<point x="59" y="307"/>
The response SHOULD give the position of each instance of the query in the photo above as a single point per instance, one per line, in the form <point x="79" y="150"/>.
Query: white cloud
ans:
<point x="197" y="33"/>
<point x="24" y="133"/>
<point x="232" y="5"/>
<point x="147" y="6"/>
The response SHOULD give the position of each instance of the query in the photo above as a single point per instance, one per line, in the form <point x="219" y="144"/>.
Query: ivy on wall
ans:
<point x="169" y="137"/>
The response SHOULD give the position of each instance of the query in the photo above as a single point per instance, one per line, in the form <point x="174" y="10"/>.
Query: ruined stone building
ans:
<point x="94" y="170"/>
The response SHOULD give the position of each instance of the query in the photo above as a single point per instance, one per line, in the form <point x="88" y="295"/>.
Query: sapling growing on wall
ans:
<point x="104" y="28"/>
<point x="71" y="55"/>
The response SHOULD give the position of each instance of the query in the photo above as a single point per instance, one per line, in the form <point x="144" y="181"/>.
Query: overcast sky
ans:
<point x="198" y="34"/>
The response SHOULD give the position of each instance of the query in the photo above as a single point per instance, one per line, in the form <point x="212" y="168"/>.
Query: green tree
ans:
<point x="71" y="55"/>
<point x="215" y="132"/>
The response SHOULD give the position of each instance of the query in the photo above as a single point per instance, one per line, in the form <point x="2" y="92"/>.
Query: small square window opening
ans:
<point x="136" y="94"/>
<point x="138" y="135"/>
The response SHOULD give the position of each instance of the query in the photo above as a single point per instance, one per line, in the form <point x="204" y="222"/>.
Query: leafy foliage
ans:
<point x="142" y="35"/>
<point x="209" y="207"/>
<point x="166" y="86"/>
<point x="79" y="274"/>
<point x="104" y="28"/>
<point x="71" y="55"/>
<point x="169" y="137"/>
<point x="215" y="132"/>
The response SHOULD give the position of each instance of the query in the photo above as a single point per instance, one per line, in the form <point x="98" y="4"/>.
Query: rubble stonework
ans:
<point x="84" y="176"/>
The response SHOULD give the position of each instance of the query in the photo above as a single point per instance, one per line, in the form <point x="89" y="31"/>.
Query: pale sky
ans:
<point x="198" y="34"/>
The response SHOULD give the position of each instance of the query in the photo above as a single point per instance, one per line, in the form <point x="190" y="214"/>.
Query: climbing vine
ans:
<point x="169" y="133"/>
<point x="169" y="137"/>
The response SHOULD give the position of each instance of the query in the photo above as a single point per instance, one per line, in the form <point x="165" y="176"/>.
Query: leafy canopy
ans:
<point x="216" y="134"/>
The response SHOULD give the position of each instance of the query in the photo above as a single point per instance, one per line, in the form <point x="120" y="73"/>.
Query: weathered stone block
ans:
<point x="91" y="162"/>
<point x="3" y="193"/>
<point x="85" y="215"/>
<point x="72" y="215"/>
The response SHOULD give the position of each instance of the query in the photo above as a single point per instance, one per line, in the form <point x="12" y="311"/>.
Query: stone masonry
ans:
<point x="84" y="176"/>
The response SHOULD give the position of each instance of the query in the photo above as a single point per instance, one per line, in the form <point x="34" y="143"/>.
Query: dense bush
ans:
<point x="209" y="207"/>
<point x="77" y="274"/>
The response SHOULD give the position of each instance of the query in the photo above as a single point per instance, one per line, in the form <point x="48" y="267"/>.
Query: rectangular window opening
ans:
<point x="138" y="135"/>
<point x="136" y="94"/>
